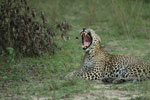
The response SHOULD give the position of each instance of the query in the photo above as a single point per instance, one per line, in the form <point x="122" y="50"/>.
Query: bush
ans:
<point x="24" y="30"/>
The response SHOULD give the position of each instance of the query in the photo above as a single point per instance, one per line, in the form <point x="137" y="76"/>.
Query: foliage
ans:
<point x="24" y="30"/>
<point x="11" y="55"/>
<point x="64" y="27"/>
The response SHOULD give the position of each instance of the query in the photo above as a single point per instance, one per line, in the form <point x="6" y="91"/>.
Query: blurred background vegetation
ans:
<point x="35" y="69"/>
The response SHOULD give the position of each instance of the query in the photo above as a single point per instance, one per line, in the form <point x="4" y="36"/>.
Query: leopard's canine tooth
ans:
<point x="85" y="33"/>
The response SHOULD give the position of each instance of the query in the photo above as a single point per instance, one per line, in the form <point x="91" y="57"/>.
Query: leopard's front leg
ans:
<point x="91" y="75"/>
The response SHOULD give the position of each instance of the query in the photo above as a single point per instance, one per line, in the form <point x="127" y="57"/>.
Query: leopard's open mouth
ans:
<point x="86" y="40"/>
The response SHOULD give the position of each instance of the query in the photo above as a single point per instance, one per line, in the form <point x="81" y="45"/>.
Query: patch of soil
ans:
<point x="102" y="92"/>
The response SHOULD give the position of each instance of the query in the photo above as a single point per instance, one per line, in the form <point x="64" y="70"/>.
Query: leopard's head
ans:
<point x="89" y="39"/>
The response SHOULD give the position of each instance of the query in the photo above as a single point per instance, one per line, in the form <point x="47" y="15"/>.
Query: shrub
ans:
<point x="24" y="29"/>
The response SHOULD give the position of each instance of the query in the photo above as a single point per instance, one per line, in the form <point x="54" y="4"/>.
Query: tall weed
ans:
<point x="126" y="16"/>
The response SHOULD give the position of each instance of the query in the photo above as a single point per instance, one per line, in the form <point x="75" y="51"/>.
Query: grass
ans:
<point x="123" y="27"/>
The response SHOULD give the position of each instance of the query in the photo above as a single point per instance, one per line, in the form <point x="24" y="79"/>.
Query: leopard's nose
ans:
<point x="85" y="33"/>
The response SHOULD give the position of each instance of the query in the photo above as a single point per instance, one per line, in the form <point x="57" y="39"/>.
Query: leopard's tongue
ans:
<point x="85" y="44"/>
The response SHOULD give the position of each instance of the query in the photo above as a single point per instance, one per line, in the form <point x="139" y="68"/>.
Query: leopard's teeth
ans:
<point x="85" y="34"/>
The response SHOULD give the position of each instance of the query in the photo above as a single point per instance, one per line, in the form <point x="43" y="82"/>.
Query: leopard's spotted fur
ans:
<point x="100" y="65"/>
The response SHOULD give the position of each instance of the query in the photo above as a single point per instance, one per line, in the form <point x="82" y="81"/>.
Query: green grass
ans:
<point x="123" y="27"/>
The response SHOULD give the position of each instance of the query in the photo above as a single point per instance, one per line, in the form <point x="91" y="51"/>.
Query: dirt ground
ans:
<point x="100" y="92"/>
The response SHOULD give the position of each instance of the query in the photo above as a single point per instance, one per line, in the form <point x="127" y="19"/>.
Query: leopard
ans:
<point x="100" y="65"/>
